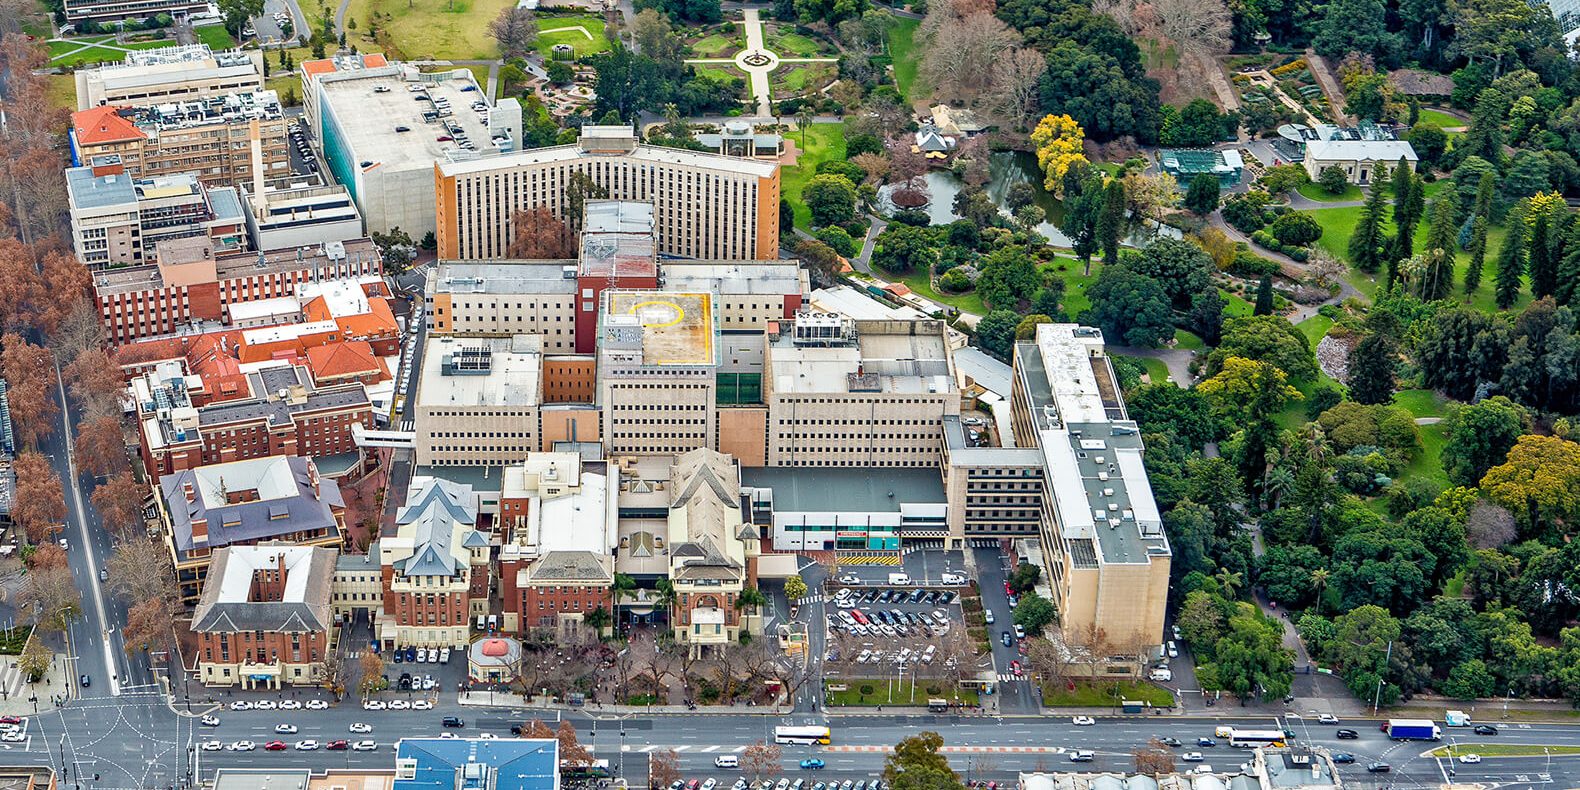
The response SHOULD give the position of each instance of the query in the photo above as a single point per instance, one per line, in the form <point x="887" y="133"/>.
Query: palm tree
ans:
<point x="1279" y="483"/>
<point x="750" y="596"/>
<point x="803" y="119"/>
<point x="1319" y="583"/>
<point x="598" y="619"/>
<point x="1230" y="581"/>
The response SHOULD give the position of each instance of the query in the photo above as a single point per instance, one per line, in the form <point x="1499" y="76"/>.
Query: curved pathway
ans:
<point x="757" y="61"/>
<point x="1289" y="267"/>
<point x="1177" y="360"/>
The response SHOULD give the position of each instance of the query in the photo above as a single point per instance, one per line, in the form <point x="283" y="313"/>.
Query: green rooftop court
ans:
<point x="1187" y="163"/>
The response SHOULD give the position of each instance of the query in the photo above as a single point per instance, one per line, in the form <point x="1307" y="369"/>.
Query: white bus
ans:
<point x="1247" y="739"/>
<point x="806" y="735"/>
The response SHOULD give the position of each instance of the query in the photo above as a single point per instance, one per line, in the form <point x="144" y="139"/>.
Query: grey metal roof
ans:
<point x="570" y="566"/>
<point x="848" y="490"/>
<point x="226" y="204"/>
<point x="435" y="510"/>
<point x="88" y="191"/>
<point x="311" y="614"/>
<point x="961" y="455"/>
<point x="251" y="522"/>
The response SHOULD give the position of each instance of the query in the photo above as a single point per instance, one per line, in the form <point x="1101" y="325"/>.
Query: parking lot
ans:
<point x="303" y="160"/>
<point x="783" y="783"/>
<point x="876" y="632"/>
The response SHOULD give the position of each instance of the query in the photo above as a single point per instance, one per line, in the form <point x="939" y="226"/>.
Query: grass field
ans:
<point x="719" y="73"/>
<point x="902" y="49"/>
<point x="1157" y="372"/>
<point x="901" y="694"/>
<point x="824" y="142"/>
<point x="1103" y="694"/>
<point x="1440" y="119"/>
<point x="1075" y="283"/>
<point x="443" y="29"/>
<point x="793" y="45"/>
<point x="1235" y="306"/>
<point x="1503" y="750"/>
<point x="1188" y="341"/>
<point x="715" y="46"/>
<point x="1314" y="328"/>
<point x="564" y="30"/>
<point x="790" y="78"/>
<point x="967" y="302"/>
<point x="1428" y="464"/>
<point x="1420" y="403"/>
<point x="1314" y="191"/>
<point x="58" y="50"/>
<point x="215" y="36"/>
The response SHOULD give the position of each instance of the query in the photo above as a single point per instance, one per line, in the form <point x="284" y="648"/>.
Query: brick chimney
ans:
<point x="189" y="491"/>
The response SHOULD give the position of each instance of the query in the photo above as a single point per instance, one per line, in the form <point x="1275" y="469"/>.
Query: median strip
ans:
<point x="1502" y="750"/>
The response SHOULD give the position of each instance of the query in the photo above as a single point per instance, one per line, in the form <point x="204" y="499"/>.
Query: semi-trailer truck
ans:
<point x="1412" y="730"/>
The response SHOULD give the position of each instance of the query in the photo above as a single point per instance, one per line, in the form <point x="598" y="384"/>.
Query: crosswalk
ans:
<point x="1008" y="677"/>
<point x="12" y="680"/>
<point x="810" y="599"/>
<point x="408" y="425"/>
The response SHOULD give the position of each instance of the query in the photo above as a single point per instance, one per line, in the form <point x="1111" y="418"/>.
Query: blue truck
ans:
<point x="1412" y="730"/>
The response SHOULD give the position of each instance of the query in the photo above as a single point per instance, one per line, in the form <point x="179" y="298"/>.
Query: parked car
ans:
<point x="290" y="704"/>
<point x="316" y="704"/>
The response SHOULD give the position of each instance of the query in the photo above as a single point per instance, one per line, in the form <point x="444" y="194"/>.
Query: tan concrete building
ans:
<point x="1102" y="535"/>
<point x="210" y="137"/>
<point x="857" y="393"/>
<point x="705" y="206"/>
<point x="657" y="358"/>
<point x="170" y="74"/>
<point x="992" y="491"/>
<point x="477" y="400"/>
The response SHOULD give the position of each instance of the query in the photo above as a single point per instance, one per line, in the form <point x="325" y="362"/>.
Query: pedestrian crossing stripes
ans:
<point x="870" y="559"/>
<point x="1008" y="677"/>
<point x="408" y="425"/>
<point x="810" y="599"/>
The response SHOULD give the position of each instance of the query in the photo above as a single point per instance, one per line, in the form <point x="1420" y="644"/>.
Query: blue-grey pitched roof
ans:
<point x="435" y="510"/>
<point x="474" y="764"/>
<point x="88" y="191"/>
<point x="251" y="522"/>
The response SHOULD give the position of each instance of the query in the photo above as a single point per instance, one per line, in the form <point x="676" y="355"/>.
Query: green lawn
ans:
<point x="792" y="79"/>
<point x="480" y="73"/>
<point x="1188" y="341"/>
<point x="1440" y="119"/>
<point x="1157" y="372"/>
<point x="62" y="91"/>
<point x="919" y="282"/>
<point x="216" y="37"/>
<point x="793" y="45"/>
<point x="439" y="29"/>
<point x="58" y="50"/>
<point x="1420" y="403"/>
<point x="1429" y="463"/>
<point x="902" y="49"/>
<point x="1104" y="694"/>
<point x="715" y="46"/>
<point x="568" y="30"/>
<point x="1075" y="283"/>
<point x="882" y="694"/>
<point x="1314" y="328"/>
<point x="718" y="73"/>
<point x="1234" y="305"/>
<point x="824" y="142"/>
<point x="1315" y="191"/>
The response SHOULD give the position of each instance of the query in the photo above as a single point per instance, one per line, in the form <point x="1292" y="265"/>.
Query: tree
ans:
<point x="140" y="570"/>
<point x="1251" y="660"/>
<point x="663" y="768"/>
<point x="1008" y="276"/>
<point x="1012" y="87"/>
<point x="1539" y="482"/>
<point x="1511" y="263"/>
<point x="996" y="332"/>
<point x="238" y="12"/>
<point x="1264" y="296"/>
<point x="1153" y="759"/>
<point x="96" y="392"/>
<point x="1240" y="383"/>
<point x="1437" y="280"/>
<point x="48" y="598"/>
<point x="1129" y="306"/>
<point x="1265" y="338"/>
<point x="536" y="234"/>
<point x="1492" y="31"/>
<point x="901" y="248"/>
<point x="1034" y="613"/>
<point x="1111" y="221"/>
<point x="515" y="29"/>
<point x="822" y="261"/>
<point x="35" y="659"/>
<point x="100" y="446"/>
<point x="795" y="588"/>
<point x="147" y="626"/>
<point x="1333" y="179"/>
<point x="653" y="35"/>
<point x="915" y="764"/>
<point x="761" y="759"/>
<point x="1296" y="228"/>
<point x="1202" y="197"/>
<point x="1059" y="142"/>
<point x="119" y="502"/>
<point x="1355" y="26"/>
<point x="29" y="374"/>
<point x="830" y="198"/>
<point x="1480" y="437"/>
<point x="1478" y="254"/>
<point x="1408" y="203"/>
<point x="1198" y="123"/>
<point x="1093" y="88"/>
<point x="960" y="48"/>
<point x="1542" y="266"/>
<point x="1371" y="366"/>
<point x="571" y="751"/>
<point x="1206" y="315"/>
<point x="1083" y="208"/>
<point x="1366" y="243"/>
<point x="39" y="504"/>
<point x="371" y="665"/>
<point x="1430" y="143"/>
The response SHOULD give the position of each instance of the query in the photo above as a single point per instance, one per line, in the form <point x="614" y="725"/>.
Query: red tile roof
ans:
<point x="353" y="358"/>
<point x="101" y="125"/>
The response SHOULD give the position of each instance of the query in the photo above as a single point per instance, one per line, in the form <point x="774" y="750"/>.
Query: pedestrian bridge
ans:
<point x="382" y="438"/>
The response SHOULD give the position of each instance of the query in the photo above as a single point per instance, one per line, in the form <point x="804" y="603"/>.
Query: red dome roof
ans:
<point x="496" y="648"/>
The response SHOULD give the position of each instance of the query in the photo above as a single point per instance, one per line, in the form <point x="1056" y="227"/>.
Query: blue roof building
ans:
<point x="476" y="764"/>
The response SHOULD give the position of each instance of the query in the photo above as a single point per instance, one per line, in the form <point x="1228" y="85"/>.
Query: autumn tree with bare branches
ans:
<point x="876" y="166"/>
<point x="100" y="446"/>
<point x="539" y="235"/>
<point x="571" y="751"/>
<point x="663" y="768"/>
<point x="39" y="504"/>
<point x="762" y="759"/>
<point x="119" y="502"/>
<point x="1154" y="759"/>
<point x="960" y="44"/>
<point x="371" y="666"/>
<point x="49" y="598"/>
<point x="1012" y="90"/>
<point x="140" y="570"/>
<point x="94" y="380"/>
<point x="147" y="626"/>
<point x="514" y="29"/>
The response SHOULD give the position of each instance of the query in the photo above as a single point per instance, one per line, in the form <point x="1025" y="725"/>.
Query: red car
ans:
<point x="1014" y="666"/>
<point x="860" y="618"/>
<point x="338" y="746"/>
<point x="274" y="746"/>
<point x="10" y="720"/>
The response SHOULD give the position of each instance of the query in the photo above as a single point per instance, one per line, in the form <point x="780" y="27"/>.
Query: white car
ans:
<point x="285" y="729"/>
<point x="13" y="737"/>
<point x="422" y="704"/>
<point x="1470" y="758"/>
<point x="448" y="736"/>
<point x="290" y="704"/>
<point x="1328" y="718"/>
<point x="241" y="705"/>
<point x="316" y="704"/>
<point x="850" y="579"/>
<point x="422" y="656"/>
<point x="374" y="704"/>
<point x="241" y="746"/>
<point x="1083" y="721"/>
<point x="399" y="704"/>
<point x="444" y="656"/>
<point x="265" y="704"/>
<point x="209" y="720"/>
<point x="360" y="728"/>
<point x="306" y="746"/>
<point x="1191" y="757"/>
<point x="212" y="746"/>
<point x="487" y="736"/>
<point x="364" y="746"/>
<point x="429" y="684"/>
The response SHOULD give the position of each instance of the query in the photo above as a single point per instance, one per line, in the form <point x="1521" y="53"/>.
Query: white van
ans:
<point x="1082" y="756"/>
<point x="899" y="579"/>
<point x="1162" y="675"/>
<point x="726" y="761"/>
<point x="953" y="578"/>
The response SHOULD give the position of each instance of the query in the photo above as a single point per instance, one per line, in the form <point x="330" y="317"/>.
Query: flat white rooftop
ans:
<point x="477" y="372"/>
<point x="369" y="118"/>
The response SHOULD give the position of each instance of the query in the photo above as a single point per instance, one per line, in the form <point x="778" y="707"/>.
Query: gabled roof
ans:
<point x="352" y="358"/>
<point x="304" y="606"/>
<point x="432" y="518"/>
<point x="705" y="488"/>
<point x="101" y="125"/>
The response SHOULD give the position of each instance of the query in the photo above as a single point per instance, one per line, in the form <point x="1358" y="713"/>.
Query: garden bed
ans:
<point x="871" y="692"/>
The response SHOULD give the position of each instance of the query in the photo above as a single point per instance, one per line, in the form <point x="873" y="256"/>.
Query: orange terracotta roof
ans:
<point x="314" y="68"/>
<point x="374" y="60"/>
<point x="898" y="289"/>
<point x="101" y="125"/>
<point x="343" y="360"/>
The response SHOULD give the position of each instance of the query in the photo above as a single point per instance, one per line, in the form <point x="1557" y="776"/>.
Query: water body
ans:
<point x="1005" y="169"/>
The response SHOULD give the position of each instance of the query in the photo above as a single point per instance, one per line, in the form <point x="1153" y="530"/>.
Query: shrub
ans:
<point x="954" y="282"/>
<point x="1333" y="180"/>
<point x="1296" y="228"/>
<point x="1249" y="264"/>
<point x="1247" y="212"/>
<point x="866" y="688"/>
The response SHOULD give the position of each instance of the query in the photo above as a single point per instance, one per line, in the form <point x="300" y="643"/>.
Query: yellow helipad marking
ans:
<point x="680" y="312"/>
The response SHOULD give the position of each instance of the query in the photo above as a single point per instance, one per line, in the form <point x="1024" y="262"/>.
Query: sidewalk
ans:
<point x="502" y="699"/>
<point x="17" y="696"/>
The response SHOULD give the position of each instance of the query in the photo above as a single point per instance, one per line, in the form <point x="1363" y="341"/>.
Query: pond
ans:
<point x="1005" y="169"/>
